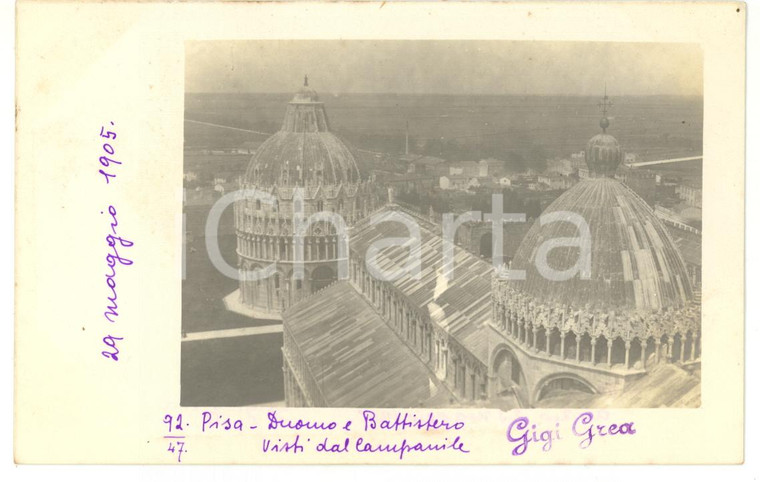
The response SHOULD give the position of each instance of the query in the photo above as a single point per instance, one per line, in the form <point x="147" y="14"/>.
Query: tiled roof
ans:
<point x="464" y="302"/>
<point x="354" y="358"/>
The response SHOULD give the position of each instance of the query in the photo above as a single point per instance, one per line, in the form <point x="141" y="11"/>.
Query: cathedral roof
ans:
<point x="461" y="305"/>
<point x="303" y="152"/>
<point x="353" y="356"/>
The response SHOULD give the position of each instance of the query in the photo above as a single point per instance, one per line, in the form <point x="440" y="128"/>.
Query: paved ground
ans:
<point x="232" y="333"/>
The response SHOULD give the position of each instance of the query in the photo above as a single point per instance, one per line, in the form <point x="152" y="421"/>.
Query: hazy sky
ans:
<point x="444" y="67"/>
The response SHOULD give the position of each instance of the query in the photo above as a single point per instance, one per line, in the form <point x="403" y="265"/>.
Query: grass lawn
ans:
<point x="204" y="286"/>
<point x="232" y="372"/>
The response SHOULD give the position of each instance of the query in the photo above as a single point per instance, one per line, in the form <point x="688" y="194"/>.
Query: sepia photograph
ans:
<point x="381" y="233"/>
<point x="442" y="224"/>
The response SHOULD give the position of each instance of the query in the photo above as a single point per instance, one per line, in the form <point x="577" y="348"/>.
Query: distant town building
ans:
<point x="691" y="193"/>
<point x="555" y="181"/>
<point x="458" y="182"/>
<point x="410" y="182"/>
<point x="491" y="167"/>
<point x="419" y="164"/>
<point x="468" y="168"/>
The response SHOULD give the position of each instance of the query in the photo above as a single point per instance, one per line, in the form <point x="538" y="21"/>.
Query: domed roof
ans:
<point x="304" y="151"/>
<point x="634" y="263"/>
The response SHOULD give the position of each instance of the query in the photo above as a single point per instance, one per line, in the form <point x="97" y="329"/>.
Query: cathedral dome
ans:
<point x="634" y="263"/>
<point x="304" y="152"/>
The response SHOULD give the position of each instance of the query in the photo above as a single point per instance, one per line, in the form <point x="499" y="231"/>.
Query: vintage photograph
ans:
<point x="450" y="224"/>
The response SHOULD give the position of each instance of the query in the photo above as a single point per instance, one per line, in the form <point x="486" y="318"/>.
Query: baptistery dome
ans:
<point x="306" y="170"/>
<point x="304" y="152"/>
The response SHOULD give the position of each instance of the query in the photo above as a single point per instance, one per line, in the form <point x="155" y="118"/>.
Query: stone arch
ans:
<point x="508" y="374"/>
<point x="571" y="346"/>
<point x="636" y="354"/>
<point x="618" y="351"/>
<point x="600" y="352"/>
<point x="554" y="340"/>
<point x="564" y="381"/>
<point x="542" y="340"/>
<point x="585" y="347"/>
<point x="677" y="347"/>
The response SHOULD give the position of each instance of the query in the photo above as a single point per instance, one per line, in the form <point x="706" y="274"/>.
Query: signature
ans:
<point x="523" y="433"/>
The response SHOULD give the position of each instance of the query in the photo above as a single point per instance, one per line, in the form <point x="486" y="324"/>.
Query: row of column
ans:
<point x="418" y="335"/>
<point x="248" y="221"/>
<point x="294" y="397"/>
<point x="283" y="248"/>
<point x="402" y="318"/>
<point x="528" y="336"/>
<point x="468" y="383"/>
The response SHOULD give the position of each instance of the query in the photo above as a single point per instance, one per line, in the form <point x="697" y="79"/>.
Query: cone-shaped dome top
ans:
<point x="304" y="151"/>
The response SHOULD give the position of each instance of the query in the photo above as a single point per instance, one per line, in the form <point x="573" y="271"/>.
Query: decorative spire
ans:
<point x="306" y="81"/>
<point x="604" y="106"/>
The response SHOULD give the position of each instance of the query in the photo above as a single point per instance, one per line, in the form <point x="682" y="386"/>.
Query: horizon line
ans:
<point x="327" y="93"/>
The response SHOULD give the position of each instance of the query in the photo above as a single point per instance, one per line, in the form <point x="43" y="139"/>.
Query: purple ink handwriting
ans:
<point x="353" y="434"/>
<point x="522" y="433"/>
<point x="117" y="245"/>
<point x="109" y="163"/>
<point x="115" y="257"/>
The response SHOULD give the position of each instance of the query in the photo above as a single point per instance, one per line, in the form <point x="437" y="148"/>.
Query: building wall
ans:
<point x="265" y="236"/>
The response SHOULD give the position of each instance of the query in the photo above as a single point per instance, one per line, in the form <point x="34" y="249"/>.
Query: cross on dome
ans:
<point x="604" y="105"/>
